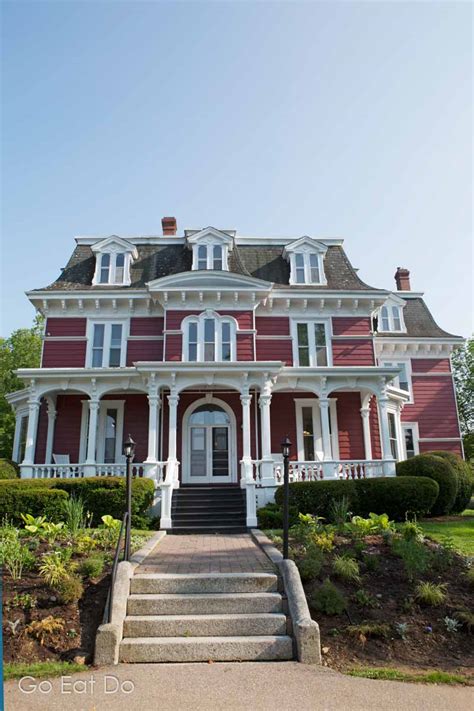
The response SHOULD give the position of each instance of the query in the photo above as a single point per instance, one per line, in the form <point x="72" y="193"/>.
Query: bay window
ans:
<point x="310" y="344"/>
<point x="208" y="338"/>
<point x="106" y="345"/>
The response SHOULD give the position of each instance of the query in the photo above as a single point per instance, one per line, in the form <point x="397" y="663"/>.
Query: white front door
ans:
<point x="209" y="446"/>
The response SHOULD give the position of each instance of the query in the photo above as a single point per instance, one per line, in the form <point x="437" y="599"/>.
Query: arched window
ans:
<point x="114" y="268"/>
<point x="104" y="269"/>
<point x="119" y="267"/>
<point x="217" y="257"/>
<point x="390" y="318"/>
<point x="202" y="257"/>
<point x="209" y="338"/>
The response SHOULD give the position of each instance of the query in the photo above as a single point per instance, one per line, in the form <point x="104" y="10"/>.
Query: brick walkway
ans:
<point x="217" y="553"/>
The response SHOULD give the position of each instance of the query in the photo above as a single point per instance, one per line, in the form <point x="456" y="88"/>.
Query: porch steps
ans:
<point x="208" y="509"/>
<point x="203" y="617"/>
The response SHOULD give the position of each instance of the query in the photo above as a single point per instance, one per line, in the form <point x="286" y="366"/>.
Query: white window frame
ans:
<point x="20" y="415"/>
<point x="104" y="405"/>
<point x="393" y="363"/>
<point x="390" y="305"/>
<point x="311" y="341"/>
<point x="394" y="409"/>
<point x="210" y="244"/>
<point x="313" y="403"/>
<point x="306" y="254"/>
<point x="416" y="437"/>
<point x="199" y="320"/>
<point x="107" y="323"/>
<point x="127" y="258"/>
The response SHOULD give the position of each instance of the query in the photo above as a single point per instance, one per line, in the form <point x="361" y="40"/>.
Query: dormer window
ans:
<point x="306" y="258"/>
<point x="391" y="318"/>
<point x="114" y="257"/>
<point x="209" y="256"/>
<point x="211" y="249"/>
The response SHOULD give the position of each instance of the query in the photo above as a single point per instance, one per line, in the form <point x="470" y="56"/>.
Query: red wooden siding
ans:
<point x="243" y="318"/>
<point x="434" y="407"/>
<point x="354" y="352"/>
<point x="42" y="434"/>
<point x="275" y="349"/>
<point x="146" y="326"/>
<point x="135" y="421"/>
<point x="173" y="347"/>
<point x="430" y="365"/>
<point x="375" y="430"/>
<point x="283" y="420"/>
<point x="272" y="326"/>
<point x="67" y="432"/>
<point x="64" y="354"/>
<point x="444" y="446"/>
<point x="244" y="346"/>
<point x="144" y="350"/>
<point x="349" y="420"/>
<point x="66" y="327"/>
<point x="351" y="326"/>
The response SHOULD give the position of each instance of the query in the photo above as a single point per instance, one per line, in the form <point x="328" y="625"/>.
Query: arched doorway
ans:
<point x="209" y="443"/>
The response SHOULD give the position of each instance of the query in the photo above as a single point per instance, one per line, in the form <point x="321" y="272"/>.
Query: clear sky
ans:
<point x="331" y="119"/>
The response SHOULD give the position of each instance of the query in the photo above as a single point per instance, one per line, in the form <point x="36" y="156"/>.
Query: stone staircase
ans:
<point x="203" y="617"/>
<point x="205" y="509"/>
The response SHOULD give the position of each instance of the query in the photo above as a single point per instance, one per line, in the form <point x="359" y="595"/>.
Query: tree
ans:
<point x="21" y="350"/>
<point x="463" y="372"/>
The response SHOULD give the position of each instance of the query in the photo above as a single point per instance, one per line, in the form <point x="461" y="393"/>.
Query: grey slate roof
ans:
<point x="261" y="262"/>
<point x="419" y="322"/>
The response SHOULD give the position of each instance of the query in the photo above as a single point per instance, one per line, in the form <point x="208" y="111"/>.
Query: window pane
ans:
<point x="119" y="268"/>
<point x="308" y="434"/>
<point x="104" y="268"/>
<point x="319" y="334"/>
<point x="209" y="330"/>
<point x="403" y="378"/>
<point x="225" y="332"/>
<point x="110" y="435"/>
<point x="409" y="442"/>
<point x="314" y="268"/>
<point x="217" y="257"/>
<point x="220" y="451"/>
<point x="299" y="263"/>
<point x="202" y="257"/>
<point x="302" y="330"/>
<point x="22" y="443"/>
<point x="98" y="345"/>
<point x="226" y="351"/>
<point x="115" y="345"/>
<point x="393" y="435"/>
<point x="198" y="451"/>
<point x="396" y="318"/>
<point x="321" y="356"/>
<point x="192" y="333"/>
<point x="192" y="352"/>
<point x="385" y="321"/>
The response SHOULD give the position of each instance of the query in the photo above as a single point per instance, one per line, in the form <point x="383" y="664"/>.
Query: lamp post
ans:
<point x="285" y="449"/>
<point x="129" y="451"/>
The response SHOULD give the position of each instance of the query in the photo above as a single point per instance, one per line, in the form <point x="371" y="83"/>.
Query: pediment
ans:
<point x="209" y="235"/>
<point x="207" y="280"/>
<point x="115" y="244"/>
<point x="305" y="244"/>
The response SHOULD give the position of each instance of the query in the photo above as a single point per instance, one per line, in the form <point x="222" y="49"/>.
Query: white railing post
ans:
<point x="325" y="429"/>
<point x="90" y="463"/>
<point x="51" y="425"/>
<point x="31" y="433"/>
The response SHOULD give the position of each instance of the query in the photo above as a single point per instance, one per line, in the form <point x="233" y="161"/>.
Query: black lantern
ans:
<point x="285" y="450"/>
<point x="129" y="451"/>
<point x="129" y="447"/>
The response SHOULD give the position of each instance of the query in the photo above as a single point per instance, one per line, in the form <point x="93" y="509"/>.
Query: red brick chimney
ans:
<point x="402" y="278"/>
<point x="169" y="225"/>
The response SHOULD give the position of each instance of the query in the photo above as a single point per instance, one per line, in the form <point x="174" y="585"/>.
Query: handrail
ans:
<point x="110" y="596"/>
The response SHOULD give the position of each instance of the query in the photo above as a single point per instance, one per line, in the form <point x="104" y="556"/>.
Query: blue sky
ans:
<point x="331" y="119"/>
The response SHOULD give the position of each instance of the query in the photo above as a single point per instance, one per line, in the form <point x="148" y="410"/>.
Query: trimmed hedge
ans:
<point x="465" y="479"/>
<point x="434" y="467"/>
<point x="395" y="497"/>
<point x="9" y="469"/>
<point x="101" y="495"/>
<point x="37" y="501"/>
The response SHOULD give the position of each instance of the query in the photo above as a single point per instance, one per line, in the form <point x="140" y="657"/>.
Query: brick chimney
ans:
<point x="169" y="226"/>
<point x="402" y="278"/>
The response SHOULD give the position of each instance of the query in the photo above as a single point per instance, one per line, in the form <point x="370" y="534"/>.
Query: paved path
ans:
<point x="216" y="553"/>
<point x="248" y="686"/>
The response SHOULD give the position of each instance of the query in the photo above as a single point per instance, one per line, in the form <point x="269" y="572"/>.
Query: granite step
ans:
<point x="205" y="625"/>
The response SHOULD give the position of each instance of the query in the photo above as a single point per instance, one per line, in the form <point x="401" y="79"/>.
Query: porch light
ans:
<point x="129" y="447"/>
<point x="286" y="446"/>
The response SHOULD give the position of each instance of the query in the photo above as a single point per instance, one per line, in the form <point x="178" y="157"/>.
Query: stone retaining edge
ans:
<point x="109" y="635"/>
<point x="305" y="630"/>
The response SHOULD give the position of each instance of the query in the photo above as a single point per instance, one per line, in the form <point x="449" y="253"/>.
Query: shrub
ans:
<point x="369" y="629"/>
<point x="15" y="499"/>
<point x="365" y="599"/>
<point x="310" y="566"/>
<point x="49" y="629"/>
<point x="70" y="589"/>
<point x="416" y="557"/>
<point x="270" y="516"/>
<point x="328" y="599"/>
<point x="465" y="479"/>
<point x="15" y="556"/>
<point x="346" y="568"/>
<point x="376" y="523"/>
<point x="411" y="531"/>
<point x="53" y="568"/>
<point x="92" y="567"/>
<point x="466" y="618"/>
<point x="438" y="469"/>
<point x="392" y="496"/>
<point x="9" y="469"/>
<point x="371" y="561"/>
<point x="430" y="594"/>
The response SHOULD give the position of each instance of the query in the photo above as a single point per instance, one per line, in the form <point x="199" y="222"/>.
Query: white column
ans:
<point x="325" y="429"/>
<point x="30" y="448"/>
<point x="48" y="458"/>
<point x="246" y="468"/>
<point x="171" y="480"/>
<point x="19" y="414"/>
<point x="153" y="415"/>
<point x="365" y="414"/>
<point x="173" y="400"/>
<point x="266" y="467"/>
<point x="89" y="468"/>
<point x="388" y="464"/>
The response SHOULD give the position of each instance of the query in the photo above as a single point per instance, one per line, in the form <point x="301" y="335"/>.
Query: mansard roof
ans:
<point x="419" y="322"/>
<point x="265" y="262"/>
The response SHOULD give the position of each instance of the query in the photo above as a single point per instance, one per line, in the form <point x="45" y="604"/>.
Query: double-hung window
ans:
<point x="311" y="347"/>
<point x="306" y="268"/>
<point x="411" y="437"/>
<point x="104" y="268"/>
<point x="217" y="257"/>
<point x="209" y="338"/>
<point x="112" y="268"/>
<point x="202" y="257"/>
<point x="209" y="256"/>
<point x="390" y="318"/>
<point x="107" y="348"/>
<point x="392" y="431"/>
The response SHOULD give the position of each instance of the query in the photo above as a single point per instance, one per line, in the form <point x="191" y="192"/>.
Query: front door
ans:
<point x="209" y="446"/>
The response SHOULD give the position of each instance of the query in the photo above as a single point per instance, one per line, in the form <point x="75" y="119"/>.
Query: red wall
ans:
<point x="144" y="350"/>
<point x="283" y="420"/>
<point x="67" y="432"/>
<point x="272" y="325"/>
<point x="430" y="365"/>
<point x="135" y="422"/>
<point x="444" y="446"/>
<point x="375" y="430"/>
<point x="64" y="354"/>
<point x="173" y="347"/>
<point x="351" y="326"/>
<point x="66" y="327"/>
<point x="349" y="420"/>
<point x="356" y="351"/>
<point x="146" y="326"/>
<point x="434" y="407"/>
<point x="275" y="349"/>
<point x="245" y="346"/>
<point x="42" y="434"/>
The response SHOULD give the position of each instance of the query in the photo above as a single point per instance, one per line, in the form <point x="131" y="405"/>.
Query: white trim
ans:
<point x="199" y="321"/>
<point x="393" y="302"/>
<point x="100" y="442"/>
<point x="22" y="413"/>
<point x="393" y="408"/>
<point x="327" y="322"/>
<point x="393" y="363"/>
<point x="440" y="439"/>
<point x="416" y="436"/>
<point x="186" y="447"/>
<point x="108" y="323"/>
<point x="306" y="247"/>
<point x="313" y="403"/>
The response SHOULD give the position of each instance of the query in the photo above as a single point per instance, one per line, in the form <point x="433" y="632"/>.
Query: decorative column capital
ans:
<point x="34" y="404"/>
<point x="264" y="401"/>
<point x="173" y="400"/>
<point x="324" y="403"/>
<point x="245" y="399"/>
<point x="94" y="405"/>
<point x="365" y="412"/>
<point x="154" y="401"/>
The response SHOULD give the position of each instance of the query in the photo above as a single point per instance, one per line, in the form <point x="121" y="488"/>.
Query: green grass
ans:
<point x="427" y="677"/>
<point x="41" y="670"/>
<point x="461" y="532"/>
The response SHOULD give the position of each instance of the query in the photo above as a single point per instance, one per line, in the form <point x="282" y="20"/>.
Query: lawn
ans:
<point x="459" y="529"/>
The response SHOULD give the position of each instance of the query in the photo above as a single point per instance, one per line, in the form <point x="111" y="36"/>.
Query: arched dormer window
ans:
<point x="306" y="258"/>
<point x="210" y="248"/>
<point x="209" y="338"/>
<point x="114" y="257"/>
<point x="391" y="318"/>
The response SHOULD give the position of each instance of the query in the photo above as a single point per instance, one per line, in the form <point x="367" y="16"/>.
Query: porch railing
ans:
<point x="316" y="471"/>
<point x="78" y="471"/>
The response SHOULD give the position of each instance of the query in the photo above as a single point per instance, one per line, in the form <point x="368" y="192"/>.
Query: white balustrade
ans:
<point x="327" y="470"/>
<point x="76" y="471"/>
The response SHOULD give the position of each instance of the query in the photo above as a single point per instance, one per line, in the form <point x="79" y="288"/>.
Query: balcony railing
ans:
<point x="78" y="471"/>
<point x="316" y="471"/>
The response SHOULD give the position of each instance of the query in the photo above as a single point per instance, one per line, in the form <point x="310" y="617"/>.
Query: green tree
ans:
<point x="21" y="350"/>
<point x="463" y="372"/>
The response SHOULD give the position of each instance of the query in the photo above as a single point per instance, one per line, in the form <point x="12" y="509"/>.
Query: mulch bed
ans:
<point x="427" y="645"/>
